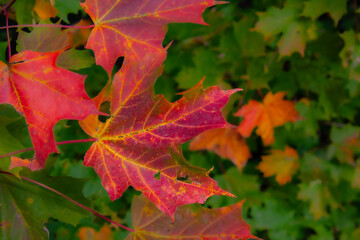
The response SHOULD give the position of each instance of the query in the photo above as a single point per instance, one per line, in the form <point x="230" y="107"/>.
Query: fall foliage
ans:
<point x="119" y="118"/>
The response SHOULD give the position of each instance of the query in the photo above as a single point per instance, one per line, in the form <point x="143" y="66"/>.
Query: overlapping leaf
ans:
<point x="44" y="9"/>
<point x="227" y="143"/>
<point x="43" y="39"/>
<point x="139" y="144"/>
<point x="273" y="112"/>
<point x="136" y="28"/>
<point x="191" y="222"/>
<point x="44" y="94"/>
<point x="25" y="207"/>
<point x="318" y="195"/>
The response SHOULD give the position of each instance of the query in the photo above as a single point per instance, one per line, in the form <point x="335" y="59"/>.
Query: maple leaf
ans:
<point x="318" y="195"/>
<point x="295" y="32"/>
<point x="135" y="29"/>
<point x="315" y="8"/>
<point x="225" y="142"/>
<point x="283" y="164"/>
<point x="141" y="138"/>
<point x="43" y="39"/>
<point x="273" y="112"/>
<point x="44" y="94"/>
<point x="191" y="222"/>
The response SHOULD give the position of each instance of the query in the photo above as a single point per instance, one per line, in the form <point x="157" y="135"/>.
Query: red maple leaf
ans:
<point x="136" y="28"/>
<point x="141" y="139"/>
<point x="44" y="94"/>
<point x="191" y="222"/>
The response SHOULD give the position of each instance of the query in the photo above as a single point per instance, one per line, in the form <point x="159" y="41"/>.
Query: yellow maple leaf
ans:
<point x="283" y="164"/>
<point x="225" y="142"/>
<point x="273" y="112"/>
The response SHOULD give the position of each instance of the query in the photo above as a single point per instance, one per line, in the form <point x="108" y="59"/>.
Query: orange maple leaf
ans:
<point x="88" y="233"/>
<point x="44" y="9"/>
<point x="283" y="164"/>
<point x="273" y="112"/>
<point x="225" y="142"/>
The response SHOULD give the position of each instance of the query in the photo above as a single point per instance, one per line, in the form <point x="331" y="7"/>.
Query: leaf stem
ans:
<point x="47" y="25"/>
<point x="7" y="32"/>
<point x="71" y="200"/>
<point x="58" y="143"/>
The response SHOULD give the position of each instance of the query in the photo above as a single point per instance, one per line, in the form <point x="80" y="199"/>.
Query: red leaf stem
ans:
<point x="7" y="32"/>
<point x="59" y="143"/>
<point x="45" y="25"/>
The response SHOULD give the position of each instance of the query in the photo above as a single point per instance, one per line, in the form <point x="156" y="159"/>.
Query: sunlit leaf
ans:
<point x="139" y="145"/>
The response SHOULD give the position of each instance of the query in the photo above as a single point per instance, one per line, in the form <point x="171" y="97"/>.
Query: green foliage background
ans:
<point x="310" y="49"/>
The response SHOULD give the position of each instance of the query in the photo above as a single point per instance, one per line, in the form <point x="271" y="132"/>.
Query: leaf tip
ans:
<point x="33" y="165"/>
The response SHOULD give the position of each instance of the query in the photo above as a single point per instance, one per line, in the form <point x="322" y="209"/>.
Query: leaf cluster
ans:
<point x="136" y="134"/>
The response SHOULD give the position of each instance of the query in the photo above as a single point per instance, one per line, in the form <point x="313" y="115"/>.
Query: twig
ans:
<point x="7" y="6"/>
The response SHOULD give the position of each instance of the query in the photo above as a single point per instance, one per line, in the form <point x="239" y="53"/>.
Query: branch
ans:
<point x="71" y="200"/>
<point x="7" y="6"/>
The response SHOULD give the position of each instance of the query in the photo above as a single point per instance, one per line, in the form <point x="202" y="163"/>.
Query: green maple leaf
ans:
<point x="315" y="8"/>
<point x="26" y="207"/>
<point x="349" y="54"/>
<point x="286" y="21"/>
